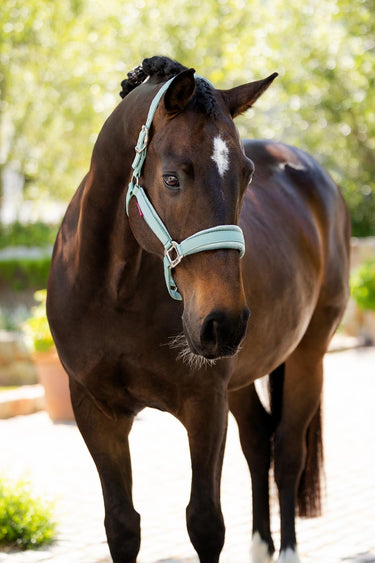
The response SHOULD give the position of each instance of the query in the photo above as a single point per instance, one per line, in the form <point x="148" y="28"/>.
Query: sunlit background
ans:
<point x="61" y="64"/>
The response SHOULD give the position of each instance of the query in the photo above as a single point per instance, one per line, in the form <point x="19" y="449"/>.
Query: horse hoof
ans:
<point x="288" y="556"/>
<point x="259" y="550"/>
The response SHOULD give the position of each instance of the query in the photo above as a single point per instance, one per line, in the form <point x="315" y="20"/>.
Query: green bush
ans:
<point x="27" y="234"/>
<point x="25" y="520"/>
<point x="362" y="285"/>
<point x="25" y="272"/>
<point x="20" y="267"/>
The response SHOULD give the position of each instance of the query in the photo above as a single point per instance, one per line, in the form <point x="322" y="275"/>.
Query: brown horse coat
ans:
<point x="113" y="320"/>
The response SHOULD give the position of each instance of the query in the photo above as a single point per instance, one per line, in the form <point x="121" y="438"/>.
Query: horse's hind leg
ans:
<point x="205" y="418"/>
<point x="300" y="409"/>
<point x="255" y="429"/>
<point x="107" y="441"/>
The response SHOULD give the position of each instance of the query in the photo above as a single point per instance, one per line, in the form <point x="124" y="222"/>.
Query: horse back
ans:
<point x="300" y="194"/>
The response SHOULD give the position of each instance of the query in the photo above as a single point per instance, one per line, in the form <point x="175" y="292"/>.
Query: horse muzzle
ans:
<point x="219" y="335"/>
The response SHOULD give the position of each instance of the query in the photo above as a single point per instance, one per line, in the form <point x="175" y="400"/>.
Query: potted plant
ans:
<point x="51" y="373"/>
<point x="362" y="285"/>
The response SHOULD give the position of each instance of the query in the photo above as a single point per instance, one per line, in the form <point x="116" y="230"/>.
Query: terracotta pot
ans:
<point x="55" y="381"/>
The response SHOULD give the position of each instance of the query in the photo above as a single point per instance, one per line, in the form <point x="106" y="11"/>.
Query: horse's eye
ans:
<point x="171" y="181"/>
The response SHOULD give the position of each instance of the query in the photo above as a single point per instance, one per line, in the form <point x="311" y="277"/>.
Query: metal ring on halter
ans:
<point x="175" y="258"/>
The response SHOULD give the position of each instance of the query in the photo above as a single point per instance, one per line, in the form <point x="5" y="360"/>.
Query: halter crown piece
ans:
<point x="222" y="236"/>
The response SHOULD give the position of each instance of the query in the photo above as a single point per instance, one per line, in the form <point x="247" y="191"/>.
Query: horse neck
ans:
<point x="105" y="246"/>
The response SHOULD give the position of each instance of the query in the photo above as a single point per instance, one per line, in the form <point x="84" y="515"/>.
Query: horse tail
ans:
<point x="310" y="486"/>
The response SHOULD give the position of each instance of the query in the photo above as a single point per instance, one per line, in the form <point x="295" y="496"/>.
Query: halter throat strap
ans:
<point x="220" y="237"/>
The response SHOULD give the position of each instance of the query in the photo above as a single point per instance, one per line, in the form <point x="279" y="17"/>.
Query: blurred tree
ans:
<point x="47" y="69"/>
<point x="61" y="63"/>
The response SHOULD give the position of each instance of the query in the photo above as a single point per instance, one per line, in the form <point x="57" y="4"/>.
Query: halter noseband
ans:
<point x="222" y="236"/>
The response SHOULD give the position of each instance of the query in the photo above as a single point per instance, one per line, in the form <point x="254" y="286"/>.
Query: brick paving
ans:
<point x="54" y="458"/>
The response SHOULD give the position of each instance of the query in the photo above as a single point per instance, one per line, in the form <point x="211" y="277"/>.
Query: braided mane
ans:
<point x="164" y="67"/>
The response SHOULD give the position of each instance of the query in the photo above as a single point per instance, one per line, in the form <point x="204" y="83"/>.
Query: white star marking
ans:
<point x="220" y="155"/>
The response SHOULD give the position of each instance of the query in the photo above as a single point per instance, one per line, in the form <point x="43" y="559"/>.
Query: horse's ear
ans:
<point x="241" y="98"/>
<point x="180" y="91"/>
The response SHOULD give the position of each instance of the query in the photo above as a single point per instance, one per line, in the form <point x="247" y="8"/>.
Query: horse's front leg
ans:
<point x="205" y="417"/>
<point x="107" y="441"/>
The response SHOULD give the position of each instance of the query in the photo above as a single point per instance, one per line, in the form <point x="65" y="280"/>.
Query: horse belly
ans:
<point x="263" y="351"/>
<point x="282" y="299"/>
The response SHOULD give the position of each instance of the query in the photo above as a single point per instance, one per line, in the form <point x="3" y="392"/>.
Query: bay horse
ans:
<point x="150" y="253"/>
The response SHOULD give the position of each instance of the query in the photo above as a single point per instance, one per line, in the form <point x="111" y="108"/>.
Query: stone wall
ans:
<point x="16" y="365"/>
<point x="362" y="250"/>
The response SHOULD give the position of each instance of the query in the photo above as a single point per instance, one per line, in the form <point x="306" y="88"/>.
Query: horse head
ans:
<point x="195" y="176"/>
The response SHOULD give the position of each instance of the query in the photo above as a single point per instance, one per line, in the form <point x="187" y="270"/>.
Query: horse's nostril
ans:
<point x="209" y="331"/>
<point x="222" y="333"/>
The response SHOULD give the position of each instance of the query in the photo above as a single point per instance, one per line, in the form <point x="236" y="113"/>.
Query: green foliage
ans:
<point x="27" y="234"/>
<point x="36" y="327"/>
<point x="323" y="100"/>
<point x="26" y="272"/>
<point x="21" y="268"/>
<point x="362" y="285"/>
<point x="25" y="520"/>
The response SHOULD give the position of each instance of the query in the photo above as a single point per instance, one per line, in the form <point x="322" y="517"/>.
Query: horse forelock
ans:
<point x="163" y="67"/>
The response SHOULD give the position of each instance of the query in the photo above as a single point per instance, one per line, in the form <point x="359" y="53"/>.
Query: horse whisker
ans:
<point x="193" y="361"/>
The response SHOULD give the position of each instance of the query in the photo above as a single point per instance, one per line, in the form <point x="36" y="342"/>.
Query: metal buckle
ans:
<point x="173" y="255"/>
<point x="145" y="140"/>
<point x="133" y="186"/>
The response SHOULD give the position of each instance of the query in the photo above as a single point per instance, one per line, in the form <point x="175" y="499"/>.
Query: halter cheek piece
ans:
<point x="222" y="236"/>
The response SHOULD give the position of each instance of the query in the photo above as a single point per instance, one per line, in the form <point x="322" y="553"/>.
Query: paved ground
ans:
<point x="54" y="458"/>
